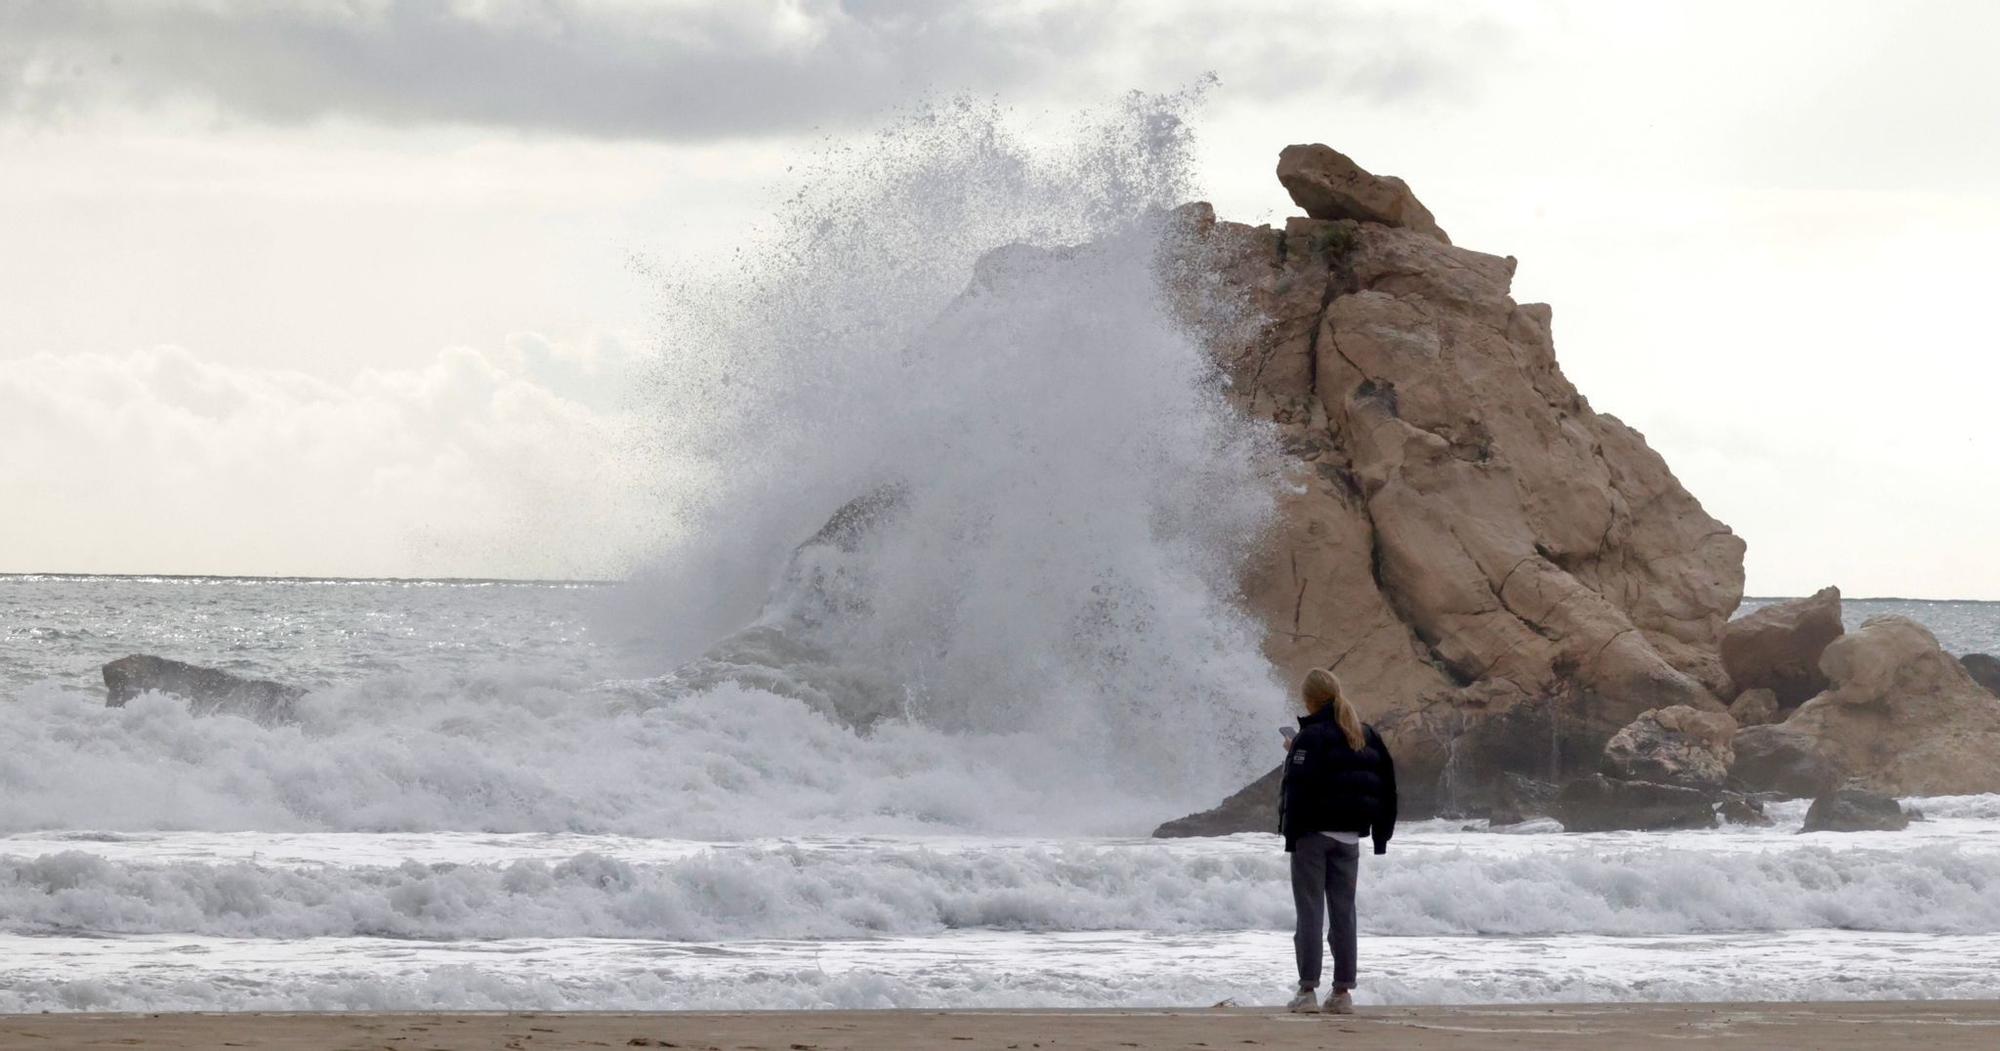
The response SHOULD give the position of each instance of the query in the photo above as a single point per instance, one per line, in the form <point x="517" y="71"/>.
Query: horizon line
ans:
<point x="308" y="578"/>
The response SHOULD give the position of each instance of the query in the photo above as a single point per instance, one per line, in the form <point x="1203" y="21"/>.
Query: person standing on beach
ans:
<point x="1339" y="785"/>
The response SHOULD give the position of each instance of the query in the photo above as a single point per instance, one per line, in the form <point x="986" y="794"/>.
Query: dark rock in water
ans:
<point x="1517" y="799"/>
<point x="1742" y="810"/>
<point x="1778" y="647"/>
<point x="207" y="690"/>
<point x="1600" y="804"/>
<point x="1985" y="670"/>
<point x="855" y="519"/>
<point x="1252" y="809"/>
<point x="1851" y="809"/>
<point x="1776" y="759"/>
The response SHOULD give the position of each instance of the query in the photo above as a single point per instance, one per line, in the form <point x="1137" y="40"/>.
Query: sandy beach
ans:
<point x="1932" y="1024"/>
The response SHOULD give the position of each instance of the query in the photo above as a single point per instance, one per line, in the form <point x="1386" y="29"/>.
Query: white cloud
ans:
<point x="510" y="462"/>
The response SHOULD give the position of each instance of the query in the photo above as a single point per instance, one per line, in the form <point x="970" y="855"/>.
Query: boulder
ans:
<point x="1737" y="809"/>
<point x="1252" y="809"/>
<point x="1754" y="707"/>
<point x="1777" y="648"/>
<point x="1517" y="799"/>
<point x="1328" y="185"/>
<point x="207" y="690"/>
<point x="1984" y="669"/>
<point x="1852" y="809"/>
<point x="1503" y="576"/>
<point x="1781" y="761"/>
<point x="1902" y="716"/>
<point x="1673" y="746"/>
<point x="1602" y="804"/>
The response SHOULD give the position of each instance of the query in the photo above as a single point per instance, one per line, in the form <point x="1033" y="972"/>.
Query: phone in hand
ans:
<point x="1288" y="732"/>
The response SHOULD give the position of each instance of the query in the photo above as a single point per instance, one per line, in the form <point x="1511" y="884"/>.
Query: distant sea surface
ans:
<point x="1961" y="625"/>
<point x="491" y="800"/>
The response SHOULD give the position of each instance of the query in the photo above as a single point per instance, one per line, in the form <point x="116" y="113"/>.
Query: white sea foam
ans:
<point x="978" y="970"/>
<point x="510" y="754"/>
<point x="1443" y="886"/>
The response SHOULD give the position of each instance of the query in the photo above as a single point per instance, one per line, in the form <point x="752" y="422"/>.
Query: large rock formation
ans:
<point x="1778" y="647"/>
<point x="1503" y="576"/>
<point x="207" y="690"/>
<point x="1901" y="715"/>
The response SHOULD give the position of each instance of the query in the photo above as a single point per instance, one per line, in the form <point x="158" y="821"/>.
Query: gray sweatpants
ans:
<point x="1323" y="873"/>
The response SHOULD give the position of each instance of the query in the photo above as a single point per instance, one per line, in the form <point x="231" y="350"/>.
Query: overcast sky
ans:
<point x="349" y="287"/>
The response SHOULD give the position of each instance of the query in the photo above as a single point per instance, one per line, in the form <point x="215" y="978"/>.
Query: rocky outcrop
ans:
<point x="780" y="653"/>
<point x="1602" y="804"/>
<point x="1330" y="186"/>
<point x="1984" y="669"/>
<point x="1902" y="716"/>
<point x="1503" y="576"/>
<point x="1252" y="809"/>
<point x="1777" y="648"/>
<point x="1673" y="746"/>
<point x="207" y="690"/>
<point x="1517" y="799"/>
<point x="1754" y="707"/>
<point x="1782" y="761"/>
<point x="1852" y="809"/>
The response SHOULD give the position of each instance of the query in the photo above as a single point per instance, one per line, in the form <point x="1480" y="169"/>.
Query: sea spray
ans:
<point x="1045" y="624"/>
<point x="978" y="326"/>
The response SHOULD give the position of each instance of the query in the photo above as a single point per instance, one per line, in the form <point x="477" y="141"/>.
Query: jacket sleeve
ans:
<point x="1285" y="786"/>
<point x="1385" y="823"/>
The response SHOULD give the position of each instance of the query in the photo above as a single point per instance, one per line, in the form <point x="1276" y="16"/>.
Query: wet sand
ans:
<point x="1869" y="1026"/>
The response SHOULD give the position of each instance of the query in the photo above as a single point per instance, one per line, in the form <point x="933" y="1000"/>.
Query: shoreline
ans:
<point x="1857" y="1025"/>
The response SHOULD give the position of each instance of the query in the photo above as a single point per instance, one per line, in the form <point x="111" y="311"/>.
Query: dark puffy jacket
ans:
<point x="1330" y="787"/>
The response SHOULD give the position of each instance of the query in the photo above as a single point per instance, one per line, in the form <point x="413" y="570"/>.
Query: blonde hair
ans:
<point x="1320" y="689"/>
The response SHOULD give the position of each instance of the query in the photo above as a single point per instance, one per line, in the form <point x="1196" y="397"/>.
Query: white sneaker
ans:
<point x="1305" y="1003"/>
<point x="1340" y="1003"/>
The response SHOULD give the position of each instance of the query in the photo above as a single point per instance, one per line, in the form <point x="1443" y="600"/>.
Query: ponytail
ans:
<point x="1321" y="689"/>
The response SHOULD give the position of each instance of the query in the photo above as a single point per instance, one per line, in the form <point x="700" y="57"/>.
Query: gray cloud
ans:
<point x="592" y="68"/>
<point x="614" y="68"/>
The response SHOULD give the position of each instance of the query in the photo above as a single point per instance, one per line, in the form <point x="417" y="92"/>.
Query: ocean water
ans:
<point x="906" y="759"/>
<point x="1961" y="626"/>
<point x="472" y="813"/>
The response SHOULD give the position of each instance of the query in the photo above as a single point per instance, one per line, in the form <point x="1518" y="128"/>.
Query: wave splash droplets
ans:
<point x="1060" y="496"/>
